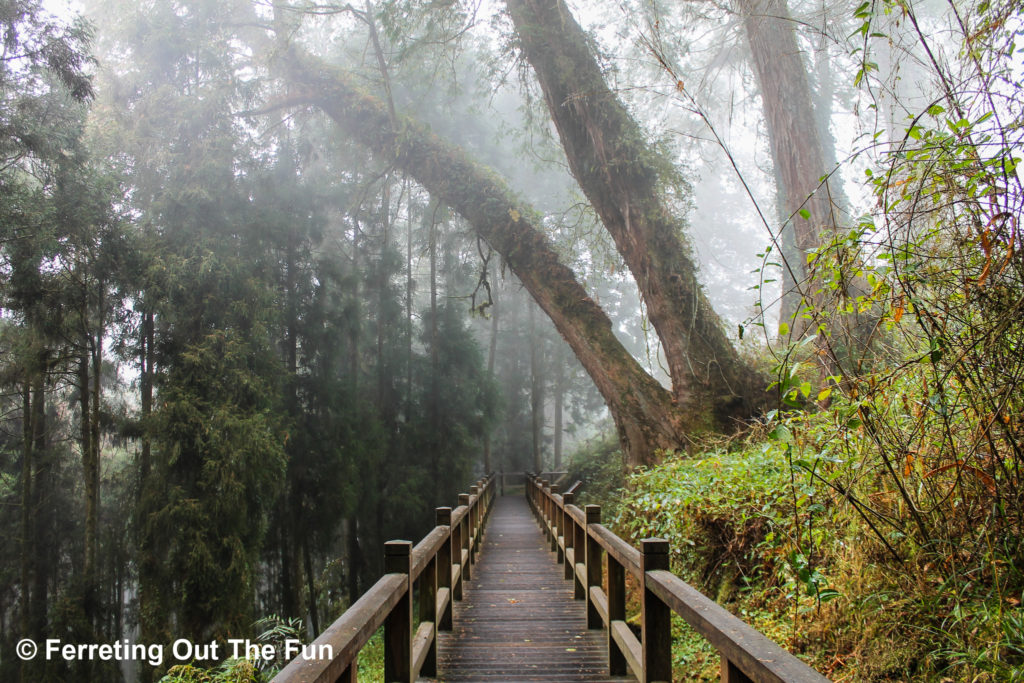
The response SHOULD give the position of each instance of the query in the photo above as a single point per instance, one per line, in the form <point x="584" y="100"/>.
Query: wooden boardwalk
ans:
<point x="515" y="618"/>
<point x="518" y="620"/>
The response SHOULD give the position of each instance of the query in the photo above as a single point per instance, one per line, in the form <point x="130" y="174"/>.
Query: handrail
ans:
<point x="435" y="568"/>
<point x="581" y="541"/>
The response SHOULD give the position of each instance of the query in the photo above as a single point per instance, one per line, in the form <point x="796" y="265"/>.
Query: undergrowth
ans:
<point x="873" y="522"/>
<point x="765" y="525"/>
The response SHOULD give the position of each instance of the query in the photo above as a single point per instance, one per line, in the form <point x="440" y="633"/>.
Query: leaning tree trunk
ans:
<point x="619" y="171"/>
<point x="646" y="416"/>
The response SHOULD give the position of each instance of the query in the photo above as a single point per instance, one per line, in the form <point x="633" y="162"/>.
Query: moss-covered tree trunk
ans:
<point x="645" y="414"/>
<point x="621" y="175"/>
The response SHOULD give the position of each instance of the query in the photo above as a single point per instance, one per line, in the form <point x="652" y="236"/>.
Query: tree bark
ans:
<point x="26" y="504"/>
<point x="91" y="454"/>
<point x="408" y="312"/>
<point x="536" y="394"/>
<point x="146" y="358"/>
<point x="314" y="613"/>
<point x="42" y="484"/>
<point x="354" y="554"/>
<point x="149" y="575"/>
<point x="797" y="153"/>
<point x="645" y="414"/>
<point x="85" y="443"/>
<point x="559" y="387"/>
<point x="492" y="349"/>
<point x="621" y="175"/>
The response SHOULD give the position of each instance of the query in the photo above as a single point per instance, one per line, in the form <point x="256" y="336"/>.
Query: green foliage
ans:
<point x="598" y="464"/>
<point x="274" y="630"/>
<point x="230" y="671"/>
<point x="912" y="387"/>
<point x="371" y="659"/>
<point x="736" y="518"/>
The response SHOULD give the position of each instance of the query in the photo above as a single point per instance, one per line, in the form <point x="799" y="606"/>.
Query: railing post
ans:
<point x="351" y="672"/>
<point x="456" y="558"/>
<point x="444" y="568"/>
<point x="569" y="535"/>
<point x="398" y="625"/>
<point x="556" y="524"/>
<point x="477" y="513"/>
<point x="593" y="567"/>
<point x="467" y="534"/>
<point x="428" y="612"/>
<point x="616" y="612"/>
<point x="580" y="557"/>
<point x="545" y="507"/>
<point x="655" y="616"/>
<point x="732" y="674"/>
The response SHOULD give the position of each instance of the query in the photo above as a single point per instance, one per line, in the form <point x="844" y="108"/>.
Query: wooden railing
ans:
<point x="580" y="541"/>
<point x="434" y="570"/>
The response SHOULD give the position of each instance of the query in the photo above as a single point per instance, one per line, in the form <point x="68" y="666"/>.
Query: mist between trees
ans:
<point x="278" y="279"/>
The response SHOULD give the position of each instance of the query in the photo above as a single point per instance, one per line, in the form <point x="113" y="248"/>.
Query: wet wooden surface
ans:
<point x="518" y="620"/>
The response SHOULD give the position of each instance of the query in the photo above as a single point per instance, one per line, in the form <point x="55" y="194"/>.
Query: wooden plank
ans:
<point x="592" y="560"/>
<point x="518" y="620"/>
<point x="444" y="598"/>
<point x="627" y="555"/>
<point x="457" y="580"/>
<point x="629" y="646"/>
<point x="444" y="572"/>
<point x="554" y="517"/>
<point x="655" y="616"/>
<point x="467" y="537"/>
<point x="759" y="658"/>
<point x="421" y="644"/>
<point x="350" y="674"/>
<point x="427" y="589"/>
<point x="577" y="514"/>
<point x="426" y="549"/>
<point x="569" y="539"/>
<point x="398" y="623"/>
<point x="580" y="548"/>
<point x="348" y="634"/>
<point x="616" y="612"/>
<point x="600" y="601"/>
<point x="730" y="673"/>
<point x="581" y="575"/>
<point x="389" y="603"/>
